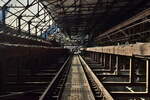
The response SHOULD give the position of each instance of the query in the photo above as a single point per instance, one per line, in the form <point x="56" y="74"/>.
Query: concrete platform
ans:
<point x="77" y="86"/>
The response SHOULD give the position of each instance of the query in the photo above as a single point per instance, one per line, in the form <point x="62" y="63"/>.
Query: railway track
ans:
<point x="77" y="82"/>
<point x="74" y="81"/>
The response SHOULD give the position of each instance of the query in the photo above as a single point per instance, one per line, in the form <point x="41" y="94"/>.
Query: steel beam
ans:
<point x="138" y="49"/>
<point x="139" y="16"/>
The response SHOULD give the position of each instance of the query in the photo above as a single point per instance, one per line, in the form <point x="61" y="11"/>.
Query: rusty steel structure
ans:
<point x="92" y="17"/>
<point x="125" y="67"/>
<point x="135" y="29"/>
<point x="28" y="15"/>
<point x="74" y="50"/>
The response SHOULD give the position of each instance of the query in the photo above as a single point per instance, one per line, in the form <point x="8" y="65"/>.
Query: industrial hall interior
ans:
<point x="74" y="49"/>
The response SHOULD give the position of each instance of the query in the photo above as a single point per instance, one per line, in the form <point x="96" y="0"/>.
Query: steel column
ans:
<point x="19" y="24"/>
<point x="132" y="70"/>
<point x="110" y="62"/>
<point x="4" y="15"/>
<point x="147" y="76"/>
<point x="117" y="65"/>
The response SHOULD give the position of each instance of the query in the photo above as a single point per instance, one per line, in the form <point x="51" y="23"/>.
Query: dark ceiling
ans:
<point x="76" y="17"/>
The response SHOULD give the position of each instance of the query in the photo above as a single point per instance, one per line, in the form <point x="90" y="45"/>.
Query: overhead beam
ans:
<point x="130" y="21"/>
<point x="139" y="49"/>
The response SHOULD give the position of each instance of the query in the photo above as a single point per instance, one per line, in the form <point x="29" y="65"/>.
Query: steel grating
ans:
<point x="77" y="86"/>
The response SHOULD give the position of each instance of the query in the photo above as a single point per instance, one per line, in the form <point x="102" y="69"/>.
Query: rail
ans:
<point x="99" y="85"/>
<point x="48" y="91"/>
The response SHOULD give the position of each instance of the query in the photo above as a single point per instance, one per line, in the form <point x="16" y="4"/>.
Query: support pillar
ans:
<point x="92" y="55"/>
<point x="147" y="76"/>
<point x="19" y="24"/>
<point x="132" y="70"/>
<point x="104" y="60"/>
<point x="107" y="61"/>
<point x="98" y="58"/>
<point x="29" y="27"/>
<point x="101" y="58"/>
<point x="96" y="54"/>
<point x="117" y="65"/>
<point x="110" y="61"/>
<point x="4" y="15"/>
